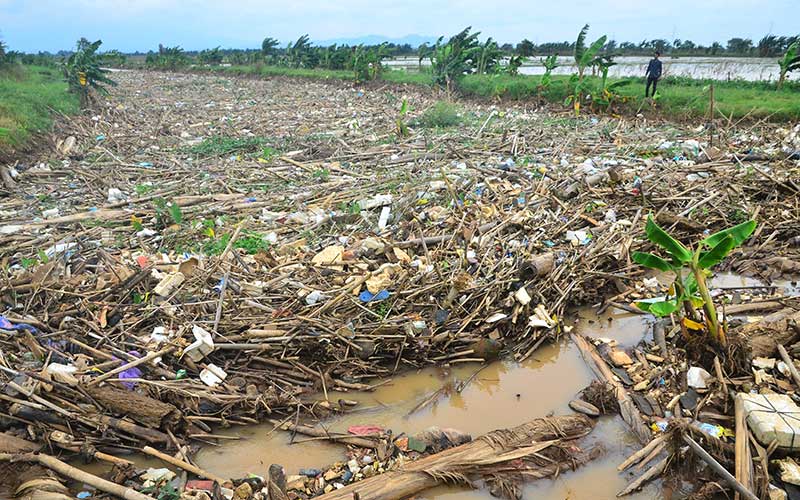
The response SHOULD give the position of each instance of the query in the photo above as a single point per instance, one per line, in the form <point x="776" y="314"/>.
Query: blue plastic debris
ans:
<point x="84" y="494"/>
<point x="145" y="164"/>
<point x="133" y="372"/>
<point x="310" y="472"/>
<point x="347" y="476"/>
<point x="367" y="296"/>
<point x="100" y="137"/>
<point x="5" y="324"/>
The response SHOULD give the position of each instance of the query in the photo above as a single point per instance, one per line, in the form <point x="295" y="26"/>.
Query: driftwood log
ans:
<point x="143" y="409"/>
<point x="480" y="458"/>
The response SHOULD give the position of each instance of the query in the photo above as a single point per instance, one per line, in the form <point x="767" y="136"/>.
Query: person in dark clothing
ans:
<point x="653" y="73"/>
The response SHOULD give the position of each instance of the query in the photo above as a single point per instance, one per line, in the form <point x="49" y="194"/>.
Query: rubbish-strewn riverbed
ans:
<point x="201" y="251"/>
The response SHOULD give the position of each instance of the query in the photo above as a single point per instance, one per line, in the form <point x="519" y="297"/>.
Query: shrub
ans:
<point x="442" y="114"/>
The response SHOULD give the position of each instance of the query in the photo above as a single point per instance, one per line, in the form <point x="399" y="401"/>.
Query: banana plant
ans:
<point x="423" y="51"/>
<point x="451" y="60"/>
<point x="789" y="62"/>
<point x="298" y="53"/>
<point x="585" y="57"/>
<point x="550" y="63"/>
<point x="487" y="57"/>
<point x="515" y="62"/>
<point x="691" y="267"/>
<point x="608" y="94"/>
<point x="401" y="128"/>
<point x="82" y="71"/>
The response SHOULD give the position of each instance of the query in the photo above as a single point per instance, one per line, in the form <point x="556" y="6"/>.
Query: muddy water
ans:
<point x="503" y="394"/>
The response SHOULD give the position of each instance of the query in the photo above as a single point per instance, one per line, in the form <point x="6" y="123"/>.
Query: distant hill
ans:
<point x="413" y="40"/>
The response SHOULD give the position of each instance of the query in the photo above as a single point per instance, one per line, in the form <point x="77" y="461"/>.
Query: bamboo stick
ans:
<point x="719" y="469"/>
<point x="137" y="362"/>
<point x="744" y="460"/>
<point x="183" y="465"/>
<point x="78" y="475"/>
<point x="788" y="360"/>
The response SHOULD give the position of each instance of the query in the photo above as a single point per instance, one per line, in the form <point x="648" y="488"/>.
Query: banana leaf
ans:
<point x="667" y="242"/>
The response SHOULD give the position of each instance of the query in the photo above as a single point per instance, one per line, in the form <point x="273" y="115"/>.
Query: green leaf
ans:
<point x="658" y="307"/>
<point x="739" y="233"/>
<point x="588" y="55"/>
<point x="664" y="308"/>
<point x="716" y="254"/>
<point x="651" y="261"/>
<point x="175" y="212"/>
<point x="667" y="242"/>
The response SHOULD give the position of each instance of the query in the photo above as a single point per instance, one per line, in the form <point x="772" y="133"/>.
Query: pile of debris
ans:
<point x="206" y="252"/>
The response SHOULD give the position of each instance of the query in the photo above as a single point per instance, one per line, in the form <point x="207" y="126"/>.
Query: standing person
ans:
<point x="653" y="73"/>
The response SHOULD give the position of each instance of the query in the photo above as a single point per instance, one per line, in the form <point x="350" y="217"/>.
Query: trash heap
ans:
<point x="205" y="252"/>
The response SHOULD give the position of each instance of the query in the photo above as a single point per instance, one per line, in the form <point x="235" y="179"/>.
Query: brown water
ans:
<point x="503" y="394"/>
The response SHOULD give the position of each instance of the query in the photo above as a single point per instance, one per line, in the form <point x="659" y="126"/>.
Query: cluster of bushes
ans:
<point x="365" y="62"/>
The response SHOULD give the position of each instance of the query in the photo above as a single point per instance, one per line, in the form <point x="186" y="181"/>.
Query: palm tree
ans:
<point x="268" y="46"/>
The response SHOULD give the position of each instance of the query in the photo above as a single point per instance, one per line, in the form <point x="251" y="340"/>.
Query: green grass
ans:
<point x="679" y="97"/>
<point x="28" y="97"/>
<point x="262" y="70"/>
<point x="442" y="114"/>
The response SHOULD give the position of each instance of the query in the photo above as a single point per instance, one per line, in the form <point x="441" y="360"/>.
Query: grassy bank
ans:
<point x="28" y="97"/>
<point x="679" y="97"/>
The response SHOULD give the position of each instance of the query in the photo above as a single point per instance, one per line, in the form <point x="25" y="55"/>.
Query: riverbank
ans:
<point x="29" y="96"/>
<point x="680" y="98"/>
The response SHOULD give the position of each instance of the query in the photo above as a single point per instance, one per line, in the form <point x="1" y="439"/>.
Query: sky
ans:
<point x="131" y="25"/>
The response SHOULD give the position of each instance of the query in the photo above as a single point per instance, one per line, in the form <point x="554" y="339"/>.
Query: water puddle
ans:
<point x="502" y="394"/>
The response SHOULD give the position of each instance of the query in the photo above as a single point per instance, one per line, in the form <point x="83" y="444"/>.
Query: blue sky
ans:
<point x="129" y="25"/>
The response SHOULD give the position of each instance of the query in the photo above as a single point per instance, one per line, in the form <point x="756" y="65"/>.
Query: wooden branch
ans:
<point x="792" y="369"/>
<point x="744" y="460"/>
<point x="650" y="474"/>
<point x="197" y="471"/>
<point x="630" y="414"/>
<point x="636" y="457"/>
<point x="136" y="362"/>
<point x="719" y="469"/>
<point x="361" y="442"/>
<point x="78" y="475"/>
